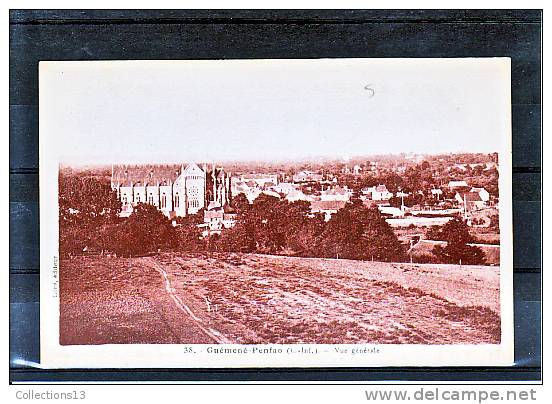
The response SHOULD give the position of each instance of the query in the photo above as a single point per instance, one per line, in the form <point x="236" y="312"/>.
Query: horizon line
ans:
<point x="314" y="159"/>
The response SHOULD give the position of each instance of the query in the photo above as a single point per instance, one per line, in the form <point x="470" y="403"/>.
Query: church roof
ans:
<point x="150" y="174"/>
<point x="192" y="169"/>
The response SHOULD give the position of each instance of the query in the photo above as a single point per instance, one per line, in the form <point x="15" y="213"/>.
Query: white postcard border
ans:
<point x="54" y="355"/>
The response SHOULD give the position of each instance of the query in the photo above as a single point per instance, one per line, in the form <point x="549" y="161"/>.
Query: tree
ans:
<point x="295" y="215"/>
<point x="86" y="207"/>
<point x="240" y="203"/>
<point x="271" y="226"/>
<point x="85" y="201"/>
<point x="357" y="232"/>
<point x="302" y="241"/>
<point x="301" y="228"/>
<point x="72" y="240"/>
<point x="189" y="234"/>
<point x="457" y="250"/>
<point x="146" y="230"/>
<point x="265" y="220"/>
<point x="239" y="238"/>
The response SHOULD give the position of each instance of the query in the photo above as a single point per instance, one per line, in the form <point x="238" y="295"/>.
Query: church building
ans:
<point x="176" y="190"/>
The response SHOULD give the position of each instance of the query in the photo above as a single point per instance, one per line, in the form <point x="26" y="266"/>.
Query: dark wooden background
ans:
<point x="240" y="34"/>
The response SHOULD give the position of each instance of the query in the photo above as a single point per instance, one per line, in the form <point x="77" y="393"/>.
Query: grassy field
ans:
<point x="247" y="298"/>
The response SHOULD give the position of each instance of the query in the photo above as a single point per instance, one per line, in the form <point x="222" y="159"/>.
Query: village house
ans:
<point x="327" y="208"/>
<point x="391" y="211"/>
<point x="258" y="180"/>
<point x="218" y="219"/>
<point x="377" y="193"/>
<point x="284" y="188"/>
<point x="483" y="194"/>
<point x="239" y="187"/>
<point x="372" y="166"/>
<point x="336" y="194"/>
<point x="469" y="201"/>
<point x="269" y="185"/>
<point x="306" y="176"/>
<point x="254" y="193"/>
<point x="457" y="184"/>
<point x="461" y="167"/>
<point x="272" y="193"/>
<point x="297" y="195"/>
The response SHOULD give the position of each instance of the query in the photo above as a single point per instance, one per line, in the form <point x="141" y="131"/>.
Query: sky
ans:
<point x="273" y="110"/>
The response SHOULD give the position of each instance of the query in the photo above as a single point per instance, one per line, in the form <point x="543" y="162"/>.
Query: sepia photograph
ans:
<point x="276" y="212"/>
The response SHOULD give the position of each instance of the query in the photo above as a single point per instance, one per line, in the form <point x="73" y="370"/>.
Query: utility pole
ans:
<point x="465" y="208"/>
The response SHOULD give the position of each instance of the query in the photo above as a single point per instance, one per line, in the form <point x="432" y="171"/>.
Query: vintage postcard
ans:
<point x="276" y="213"/>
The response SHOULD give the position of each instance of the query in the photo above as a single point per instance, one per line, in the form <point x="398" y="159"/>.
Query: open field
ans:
<point x="248" y="298"/>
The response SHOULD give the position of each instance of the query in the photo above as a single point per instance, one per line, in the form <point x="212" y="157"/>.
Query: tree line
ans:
<point x="89" y="220"/>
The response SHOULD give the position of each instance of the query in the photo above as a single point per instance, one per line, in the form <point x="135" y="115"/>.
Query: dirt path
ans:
<point x="121" y="301"/>
<point x="214" y="334"/>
